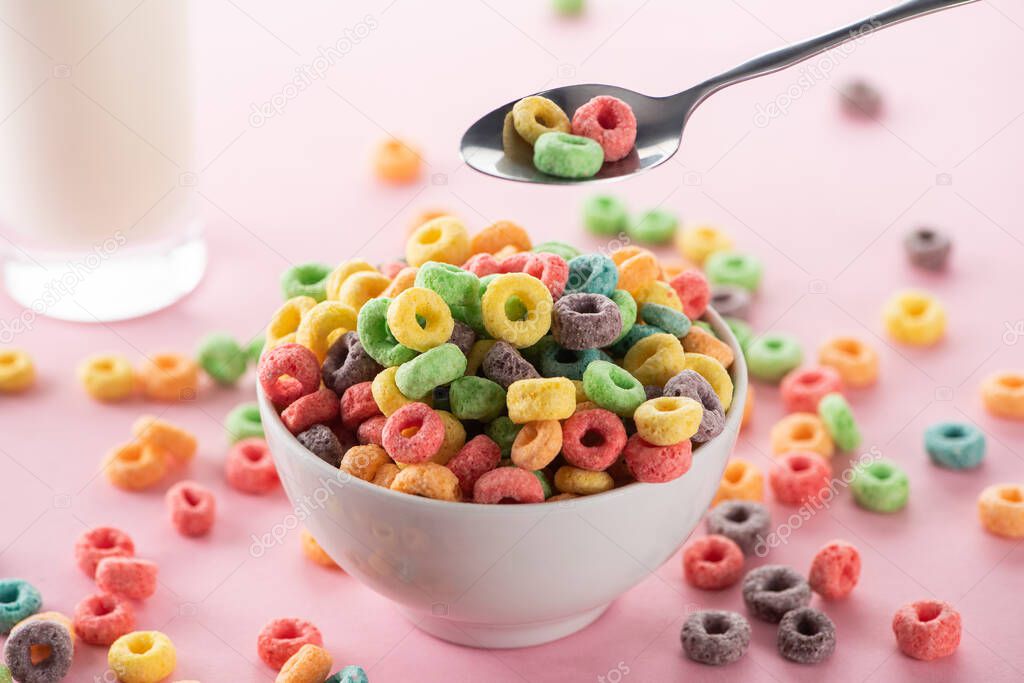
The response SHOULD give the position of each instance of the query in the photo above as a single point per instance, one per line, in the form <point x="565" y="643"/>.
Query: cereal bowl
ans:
<point x="502" y="576"/>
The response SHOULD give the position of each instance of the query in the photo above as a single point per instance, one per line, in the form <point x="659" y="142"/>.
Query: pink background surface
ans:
<point x="822" y="200"/>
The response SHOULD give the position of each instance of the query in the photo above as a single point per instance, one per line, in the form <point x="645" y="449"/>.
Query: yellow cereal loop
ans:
<point x="1001" y="510"/>
<point x="405" y="279"/>
<point x="668" y="420"/>
<point x="696" y="244"/>
<point x="476" y="354"/>
<point x="107" y="377"/>
<point x="443" y="239"/>
<point x="580" y="482"/>
<point x="286" y="319"/>
<point x="535" y="298"/>
<point x="914" y="317"/>
<point x="655" y="359"/>
<point x="386" y="394"/>
<point x="312" y="550"/>
<point x="546" y="398"/>
<point x="311" y="664"/>
<point x="360" y="287"/>
<point x="454" y="438"/>
<point x="535" y="115"/>
<point x="715" y="373"/>
<point x="286" y="339"/>
<point x="742" y="480"/>
<point x="17" y="372"/>
<point x="323" y="325"/>
<point x="338" y="276"/>
<point x="418" y="304"/>
<point x="581" y="394"/>
<point x="142" y="657"/>
<point x="658" y="292"/>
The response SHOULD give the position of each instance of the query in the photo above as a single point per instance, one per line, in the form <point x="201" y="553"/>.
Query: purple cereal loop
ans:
<point x="730" y="301"/>
<point x="715" y="637"/>
<point x="806" y="636"/>
<point x="18" y="652"/>
<point x="745" y="522"/>
<point x="927" y="248"/>
<point x="323" y="443"/>
<point x="774" y="589"/>
<point x="691" y="384"/>
<point x="463" y="336"/>
<point x="653" y="391"/>
<point x="347" y="363"/>
<point x="504" y="364"/>
<point x="585" y="321"/>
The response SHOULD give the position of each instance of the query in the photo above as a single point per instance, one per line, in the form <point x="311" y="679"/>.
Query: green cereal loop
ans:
<point x="243" y="422"/>
<point x="613" y="388"/>
<point x="770" y="356"/>
<point x="668" y="319"/>
<point x="5" y="675"/>
<point x="439" y="365"/>
<point x="254" y="349"/>
<point x="605" y="215"/>
<point x="635" y="334"/>
<point x="880" y="486"/>
<point x="459" y="288"/>
<point x="742" y="331"/>
<point x="534" y="353"/>
<point x="566" y="251"/>
<point x="545" y="483"/>
<point x="568" y="7"/>
<point x="220" y="357"/>
<point x="375" y="336"/>
<point x="733" y="268"/>
<point x="627" y="309"/>
<point x="567" y="156"/>
<point x="503" y="432"/>
<point x="558" y="362"/>
<point x="476" y="398"/>
<point x="835" y="412"/>
<point x="653" y="227"/>
<point x="305" y="279"/>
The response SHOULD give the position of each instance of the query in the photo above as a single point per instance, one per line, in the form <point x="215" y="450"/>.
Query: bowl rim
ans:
<point x="738" y="373"/>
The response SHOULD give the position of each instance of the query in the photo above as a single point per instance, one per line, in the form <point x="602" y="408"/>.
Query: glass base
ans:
<point x="111" y="282"/>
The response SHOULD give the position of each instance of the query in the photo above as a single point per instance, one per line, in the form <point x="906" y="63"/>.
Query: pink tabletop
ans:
<point x="824" y="201"/>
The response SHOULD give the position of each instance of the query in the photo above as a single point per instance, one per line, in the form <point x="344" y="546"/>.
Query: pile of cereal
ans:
<point x="602" y="130"/>
<point x="487" y="370"/>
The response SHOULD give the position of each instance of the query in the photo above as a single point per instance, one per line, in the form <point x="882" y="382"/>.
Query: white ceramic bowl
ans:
<point x="501" y="576"/>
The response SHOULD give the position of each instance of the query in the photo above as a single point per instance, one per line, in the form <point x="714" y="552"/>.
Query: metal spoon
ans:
<point x="660" y="120"/>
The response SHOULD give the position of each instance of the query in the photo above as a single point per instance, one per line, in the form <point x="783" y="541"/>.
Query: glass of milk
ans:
<point x="97" y="209"/>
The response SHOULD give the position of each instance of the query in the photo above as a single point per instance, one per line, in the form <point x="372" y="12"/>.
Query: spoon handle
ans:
<point x="798" y="52"/>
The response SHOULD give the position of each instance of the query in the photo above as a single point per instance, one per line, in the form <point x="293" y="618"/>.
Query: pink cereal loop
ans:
<point x="418" y="447"/>
<point x="288" y="372"/>
<point x="610" y="122"/>
<point x="319" y="407"/>
<point x="508" y="484"/>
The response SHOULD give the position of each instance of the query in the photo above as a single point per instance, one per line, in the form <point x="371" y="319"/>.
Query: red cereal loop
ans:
<point x="803" y="388"/>
<point x="358" y="405"/>
<point x="420" y="446"/>
<point x="508" y="485"/>
<point x="288" y="372"/>
<point x="516" y="263"/>
<point x="372" y="431"/>
<point x="249" y="467"/>
<point x="834" y="570"/>
<point x="102" y="618"/>
<point x="192" y="508"/>
<point x="798" y="477"/>
<point x="128" y="577"/>
<point x="317" y="408"/>
<point x="593" y="439"/>
<point x="712" y="562"/>
<point x="694" y="292"/>
<point x="657" y="464"/>
<point x="482" y="265"/>
<point x="927" y="629"/>
<point x="610" y="122"/>
<point x="551" y="269"/>
<point x="282" y="638"/>
<point x="480" y="454"/>
<point x="96" y="544"/>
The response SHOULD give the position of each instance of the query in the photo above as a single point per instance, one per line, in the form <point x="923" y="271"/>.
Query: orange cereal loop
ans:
<point x="444" y="239"/>
<point x="801" y="432"/>
<point x="17" y="371"/>
<point x="362" y="462"/>
<point x="385" y="475"/>
<point x="855" y="361"/>
<point x="358" y="288"/>
<point x="748" y="407"/>
<point x="397" y="162"/>
<point x="135" y="466"/>
<point x="175" y="441"/>
<point x="169" y="377"/>
<point x="699" y="341"/>
<point x="638" y="268"/>
<point x="312" y="550"/>
<point x="500" y="235"/>
<point x="428" y="480"/>
<point x="311" y="664"/>
<point x="405" y="279"/>
<point x="1001" y="510"/>
<point x="338" y="276"/>
<point x="1003" y="395"/>
<point x="742" y="480"/>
